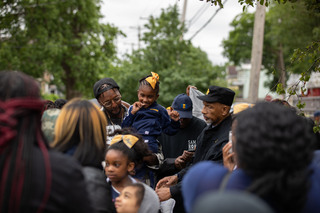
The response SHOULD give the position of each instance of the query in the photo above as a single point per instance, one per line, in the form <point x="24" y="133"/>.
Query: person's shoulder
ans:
<point x="201" y="178"/>
<point x="150" y="202"/>
<point x="228" y="119"/>
<point x="206" y="166"/>
<point x="92" y="173"/>
<point x="125" y="104"/>
<point x="158" y="107"/>
<point x="225" y="125"/>
<point x="199" y="121"/>
<point x="62" y="163"/>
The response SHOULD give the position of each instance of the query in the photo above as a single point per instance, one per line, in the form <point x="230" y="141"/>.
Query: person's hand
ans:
<point x="228" y="157"/>
<point x="187" y="156"/>
<point x="163" y="193"/>
<point x="174" y="115"/>
<point x="181" y="161"/>
<point x="167" y="181"/>
<point x="188" y="89"/>
<point x="151" y="159"/>
<point x="136" y="106"/>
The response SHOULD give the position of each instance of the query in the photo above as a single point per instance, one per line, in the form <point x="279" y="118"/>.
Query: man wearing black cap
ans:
<point x="217" y="103"/>
<point x="107" y="93"/>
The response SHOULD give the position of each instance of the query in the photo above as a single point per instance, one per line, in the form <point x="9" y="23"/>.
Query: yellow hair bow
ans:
<point x="152" y="80"/>
<point x="128" y="140"/>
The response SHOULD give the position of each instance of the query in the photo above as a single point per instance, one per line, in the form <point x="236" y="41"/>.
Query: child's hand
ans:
<point x="174" y="115"/>
<point x="135" y="107"/>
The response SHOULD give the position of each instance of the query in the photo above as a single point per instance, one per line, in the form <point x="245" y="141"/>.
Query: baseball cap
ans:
<point x="110" y="84"/>
<point x="218" y="94"/>
<point x="182" y="103"/>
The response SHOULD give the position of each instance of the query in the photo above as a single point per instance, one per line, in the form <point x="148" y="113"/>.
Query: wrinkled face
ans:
<point x="146" y="95"/>
<point x="214" y="113"/>
<point x="111" y="101"/>
<point x="184" y="122"/>
<point x="117" y="166"/>
<point x="127" y="200"/>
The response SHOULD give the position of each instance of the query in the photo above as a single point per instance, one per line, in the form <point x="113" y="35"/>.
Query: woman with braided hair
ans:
<point x="32" y="176"/>
<point x="273" y="149"/>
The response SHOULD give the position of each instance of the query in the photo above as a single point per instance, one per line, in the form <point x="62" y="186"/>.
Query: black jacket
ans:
<point x="99" y="190"/>
<point x="68" y="188"/>
<point x="209" y="147"/>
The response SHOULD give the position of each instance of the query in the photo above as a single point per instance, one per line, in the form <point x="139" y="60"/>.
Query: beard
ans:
<point x="114" y="114"/>
<point x="209" y="121"/>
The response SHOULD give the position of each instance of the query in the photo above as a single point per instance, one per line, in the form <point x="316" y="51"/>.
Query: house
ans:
<point x="238" y="78"/>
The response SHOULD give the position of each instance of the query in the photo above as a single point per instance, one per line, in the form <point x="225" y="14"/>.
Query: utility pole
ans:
<point x="256" y="52"/>
<point x="183" y="16"/>
<point x="184" y="11"/>
<point x="139" y="34"/>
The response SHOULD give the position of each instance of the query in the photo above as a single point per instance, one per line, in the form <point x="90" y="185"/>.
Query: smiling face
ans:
<point x="215" y="112"/>
<point x="111" y="101"/>
<point x="127" y="202"/>
<point x="117" y="166"/>
<point x="147" y="95"/>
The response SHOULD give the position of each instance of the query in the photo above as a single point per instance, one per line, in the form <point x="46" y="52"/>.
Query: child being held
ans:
<point x="125" y="152"/>
<point x="149" y="118"/>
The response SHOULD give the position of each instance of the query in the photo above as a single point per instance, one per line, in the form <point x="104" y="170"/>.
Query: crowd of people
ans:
<point x="110" y="156"/>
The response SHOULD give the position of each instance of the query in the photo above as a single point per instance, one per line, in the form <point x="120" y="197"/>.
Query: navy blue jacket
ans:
<point x="151" y="122"/>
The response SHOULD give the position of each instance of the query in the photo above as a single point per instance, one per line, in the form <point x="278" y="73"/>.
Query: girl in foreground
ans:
<point x="125" y="152"/>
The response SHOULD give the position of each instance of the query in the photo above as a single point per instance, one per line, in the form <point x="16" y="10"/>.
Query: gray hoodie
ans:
<point x="150" y="202"/>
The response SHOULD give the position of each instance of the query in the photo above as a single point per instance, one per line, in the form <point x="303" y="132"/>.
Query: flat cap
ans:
<point x="218" y="94"/>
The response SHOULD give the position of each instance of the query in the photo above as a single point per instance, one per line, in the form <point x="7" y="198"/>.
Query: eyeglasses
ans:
<point x="108" y="103"/>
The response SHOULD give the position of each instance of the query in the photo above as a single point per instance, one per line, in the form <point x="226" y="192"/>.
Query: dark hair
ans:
<point x="48" y="105"/>
<point x="137" y="151"/>
<point x="81" y="127"/>
<point x="144" y="82"/>
<point x="280" y="102"/>
<point x="59" y="103"/>
<point x="275" y="147"/>
<point x="20" y="127"/>
<point x="283" y="102"/>
<point x="139" y="193"/>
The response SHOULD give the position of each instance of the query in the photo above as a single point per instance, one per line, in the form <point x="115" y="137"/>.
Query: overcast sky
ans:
<point x="127" y="15"/>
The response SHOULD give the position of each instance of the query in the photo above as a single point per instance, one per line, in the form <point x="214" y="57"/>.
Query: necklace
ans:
<point x="122" y="110"/>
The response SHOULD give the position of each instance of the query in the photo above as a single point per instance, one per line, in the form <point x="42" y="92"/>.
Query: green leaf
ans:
<point x="280" y="89"/>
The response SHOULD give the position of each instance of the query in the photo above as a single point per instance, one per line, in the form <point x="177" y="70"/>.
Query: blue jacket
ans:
<point x="208" y="176"/>
<point x="151" y="122"/>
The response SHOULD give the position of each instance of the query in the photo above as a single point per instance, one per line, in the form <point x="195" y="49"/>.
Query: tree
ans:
<point x="284" y="32"/>
<point x="63" y="38"/>
<point x="176" y="60"/>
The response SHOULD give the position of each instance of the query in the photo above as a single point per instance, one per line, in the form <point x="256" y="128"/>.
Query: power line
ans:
<point x="210" y="19"/>
<point x="198" y="14"/>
